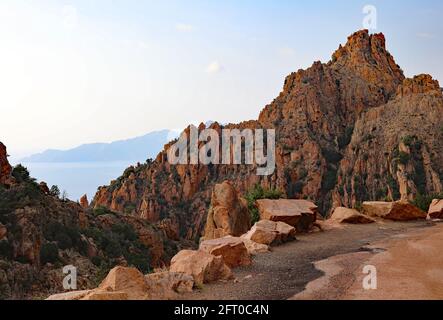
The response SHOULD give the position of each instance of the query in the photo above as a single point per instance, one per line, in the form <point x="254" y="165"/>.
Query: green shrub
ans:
<point x="344" y="140"/>
<point x="100" y="211"/>
<point x="55" y="191"/>
<point x="257" y="193"/>
<point x="331" y="155"/>
<point x="393" y="184"/>
<point x="424" y="201"/>
<point x="49" y="253"/>
<point x="329" y="180"/>
<point x="403" y="157"/>
<point x="21" y="174"/>
<point x="5" y="249"/>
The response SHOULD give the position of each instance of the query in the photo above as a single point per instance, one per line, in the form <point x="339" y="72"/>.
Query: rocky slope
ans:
<point x="40" y="233"/>
<point x="349" y="130"/>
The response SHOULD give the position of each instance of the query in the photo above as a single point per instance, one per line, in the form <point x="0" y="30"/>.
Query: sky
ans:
<point x="74" y="72"/>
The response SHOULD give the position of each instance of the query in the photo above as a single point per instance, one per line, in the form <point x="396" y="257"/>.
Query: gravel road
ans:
<point x="286" y="270"/>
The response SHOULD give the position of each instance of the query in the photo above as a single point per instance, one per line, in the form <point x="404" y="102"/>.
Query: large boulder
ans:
<point x="255" y="248"/>
<point x="435" y="209"/>
<point x="396" y="211"/>
<point x="168" y="285"/>
<point x="124" y="280"/>
<point x="129" y="284"/>
<point x="232" y="249"/>
<point x="300" y="214"/>
<point x="202" y="266"/>
<point x="352" y="216"/>
<point x="270" y="232"/>
<point x="228" y="214"/>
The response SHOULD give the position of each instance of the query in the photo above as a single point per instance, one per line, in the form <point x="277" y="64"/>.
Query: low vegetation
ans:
<point x="257" y="193"/>
<point x="424" y="201"/>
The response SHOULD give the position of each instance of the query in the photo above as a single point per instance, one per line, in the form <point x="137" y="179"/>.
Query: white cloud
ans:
<point x="70" y="17"/>
<point x="425" y="35"/>
<point x="214" y="67"/>
<point x="181" y="27"/>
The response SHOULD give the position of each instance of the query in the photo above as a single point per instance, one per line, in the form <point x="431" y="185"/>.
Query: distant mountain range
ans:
<point x="135" y="149"/>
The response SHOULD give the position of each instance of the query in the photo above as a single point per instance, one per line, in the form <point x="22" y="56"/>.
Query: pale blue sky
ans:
<point x="74" y="72"/>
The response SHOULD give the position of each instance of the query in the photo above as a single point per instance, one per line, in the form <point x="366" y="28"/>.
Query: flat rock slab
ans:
<point x="396" y="211"/>
<point x="300" y="214"/>
<point x="270" y="232"/>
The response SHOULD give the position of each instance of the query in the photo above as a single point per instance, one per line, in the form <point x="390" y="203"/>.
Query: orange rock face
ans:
<point x="84" y="201"/>
<point x="347" y="131"/>
<point x="5" y="167"/>
<point x="3" y="232"/>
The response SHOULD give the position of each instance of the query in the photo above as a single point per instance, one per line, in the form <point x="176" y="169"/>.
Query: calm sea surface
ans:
<point x="77" y="178"/>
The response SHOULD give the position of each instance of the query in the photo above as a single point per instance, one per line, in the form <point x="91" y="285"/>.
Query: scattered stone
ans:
<point x="72" y="295"/>
<point x="124" y="280"/>
<point x="270" y="232"/>
<point x="168" y="285"/>
<point x="352" y="216"/>
<point x="255" y="248"/>
<point x="435" y="209"/>
<point x="300" y="214"/>
<point x="396" y="211"/>
<point x="231" y="249"/>
<point x="202" y="266"/>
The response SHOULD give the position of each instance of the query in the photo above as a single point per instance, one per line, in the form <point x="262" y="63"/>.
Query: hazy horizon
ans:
<point x="92" y="71"/>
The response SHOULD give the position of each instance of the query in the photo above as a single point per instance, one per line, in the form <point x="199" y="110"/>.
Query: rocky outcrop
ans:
<point x="38" y="232"/>
<point x="84" y="201"/>
<point x="231" y="249"/>
<point x="435" y="209"/>
<point x="347" y="131"/>
<point x="300" y="214"/>
<point x="5" y="167"/>
<point x="228" y="214"/>
<point x="420" y="84"/>
<point x="202" y="266"/>
<point x="44" y="187"/>
<point x="397" y="211"/>
<point x="352" y="216"/>
<point x="270" y="233"/>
